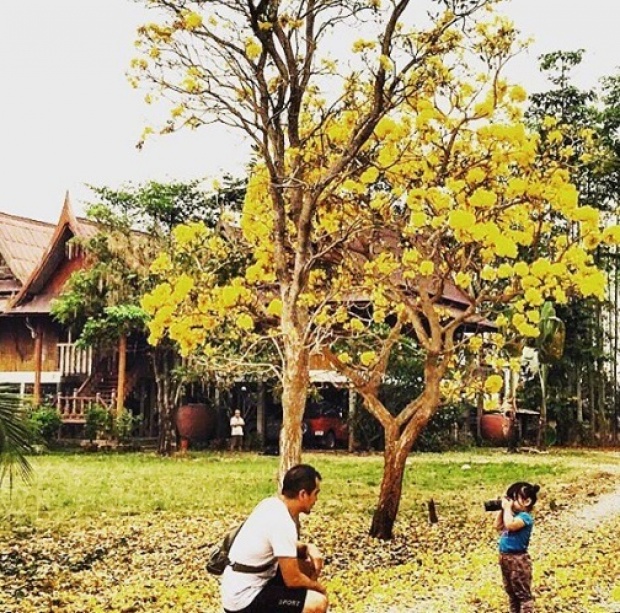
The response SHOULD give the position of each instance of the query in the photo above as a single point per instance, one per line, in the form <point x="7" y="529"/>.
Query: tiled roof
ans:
<point x="22" y="243"/>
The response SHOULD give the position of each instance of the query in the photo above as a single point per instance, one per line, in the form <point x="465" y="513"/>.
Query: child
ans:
<point x="515" y="523"/>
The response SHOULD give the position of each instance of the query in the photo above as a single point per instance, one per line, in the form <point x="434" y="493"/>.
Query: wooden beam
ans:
<point x="38" y="364"/>
<point x="122" y="363"/>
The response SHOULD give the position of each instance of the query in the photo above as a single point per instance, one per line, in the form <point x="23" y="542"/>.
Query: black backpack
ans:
<point x="218" y="558"/>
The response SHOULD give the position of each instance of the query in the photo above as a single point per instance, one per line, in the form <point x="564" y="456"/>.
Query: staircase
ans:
<point x="101" y="388"/>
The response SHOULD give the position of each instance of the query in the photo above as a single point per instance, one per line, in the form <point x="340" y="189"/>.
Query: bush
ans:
<point x="124" y="424"/>
<point x="438" y="434"/>
<point x="99" y="422"/>
<point x="44" y="423"/>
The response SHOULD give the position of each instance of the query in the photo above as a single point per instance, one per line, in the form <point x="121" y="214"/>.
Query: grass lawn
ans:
<point x="130" y="532"/>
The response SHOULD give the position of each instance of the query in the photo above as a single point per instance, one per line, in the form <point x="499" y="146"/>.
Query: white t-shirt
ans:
<point x="236" y="425"/>
<point x="268" y="533"/>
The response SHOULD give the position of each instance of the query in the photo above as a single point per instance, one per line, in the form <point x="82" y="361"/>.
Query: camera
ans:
<point x="493" y="505"/>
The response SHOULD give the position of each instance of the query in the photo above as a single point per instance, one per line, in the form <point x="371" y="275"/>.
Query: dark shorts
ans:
<point x="277" y="598"/>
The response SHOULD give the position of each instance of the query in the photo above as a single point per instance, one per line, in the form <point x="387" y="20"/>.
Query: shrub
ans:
<point x="438" y="434"/>
<point x="44" y="423"/>
<point x="99" y="422"/>
<point x="124" y="424"/>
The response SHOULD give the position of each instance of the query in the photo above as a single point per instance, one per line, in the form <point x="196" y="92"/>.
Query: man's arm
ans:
<point x="294" y="577"/>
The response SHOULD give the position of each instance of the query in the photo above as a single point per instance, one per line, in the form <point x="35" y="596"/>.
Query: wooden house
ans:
<point x="23" y="243"/>
<point x="38" y="353"/>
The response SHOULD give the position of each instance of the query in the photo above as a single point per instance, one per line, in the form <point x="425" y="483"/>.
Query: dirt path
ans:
<point x="591" y="516"/>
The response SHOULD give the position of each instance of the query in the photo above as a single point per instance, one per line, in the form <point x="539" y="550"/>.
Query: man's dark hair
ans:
<point x="300" y="477"/>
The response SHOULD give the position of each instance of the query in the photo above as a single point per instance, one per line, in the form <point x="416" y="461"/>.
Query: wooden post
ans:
<point x="38" y="364"/>
<point x="260" y="411"/>
<point x="143" y="395"/>
<point x="352" y="444"/>
<point x="122" y="362"/>
<point x="432" y="512"/>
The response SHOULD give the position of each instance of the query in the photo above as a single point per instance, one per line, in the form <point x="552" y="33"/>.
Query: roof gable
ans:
<point x="53" y="256"/>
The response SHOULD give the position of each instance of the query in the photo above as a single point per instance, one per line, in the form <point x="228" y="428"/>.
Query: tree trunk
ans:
<point x="579" y="395"/>
<point x="260" y="411"/>
<point x="542" y="420"/>
<point x="168" y="392"/>
<point x="614" y="334"/>
<point x="294" y="393"/>
<point x="400" y="435"/>
<point x="394" y="460"/>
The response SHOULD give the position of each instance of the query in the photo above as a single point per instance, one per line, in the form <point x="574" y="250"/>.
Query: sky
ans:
<point x="70" y="118"/>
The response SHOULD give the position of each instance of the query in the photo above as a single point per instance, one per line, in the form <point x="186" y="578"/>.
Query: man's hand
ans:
<point x="315" y="557"/>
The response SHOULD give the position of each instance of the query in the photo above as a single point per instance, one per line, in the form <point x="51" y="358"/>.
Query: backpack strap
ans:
<point x="245" y="568"/>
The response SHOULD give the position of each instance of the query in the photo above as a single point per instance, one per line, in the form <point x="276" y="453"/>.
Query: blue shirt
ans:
<point x="518" y="540"/>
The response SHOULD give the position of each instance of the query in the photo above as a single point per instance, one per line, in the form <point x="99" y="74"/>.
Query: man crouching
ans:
<point x="288" y="577"/>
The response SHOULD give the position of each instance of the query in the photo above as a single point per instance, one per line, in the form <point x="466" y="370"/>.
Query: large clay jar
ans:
<point x="497" y="428"/>
<point x="196" y="422"/>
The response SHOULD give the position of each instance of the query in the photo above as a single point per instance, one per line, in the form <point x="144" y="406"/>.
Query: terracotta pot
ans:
<point x="496" y="428"/>
<point x="196" y="422"/>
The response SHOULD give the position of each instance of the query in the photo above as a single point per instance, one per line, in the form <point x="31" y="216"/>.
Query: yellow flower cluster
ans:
<point x="452" y="192"/>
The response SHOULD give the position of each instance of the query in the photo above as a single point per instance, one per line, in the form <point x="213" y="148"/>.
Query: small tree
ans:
<point x="102" y="301"/>
<point x="589" y="153"/>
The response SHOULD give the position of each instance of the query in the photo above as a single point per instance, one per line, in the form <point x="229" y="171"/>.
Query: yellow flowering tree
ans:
<point x="410" y="203"/>
<point x="266" y="67"/>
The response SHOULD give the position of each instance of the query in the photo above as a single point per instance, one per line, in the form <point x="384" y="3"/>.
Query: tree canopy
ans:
<point x="410" y="200"/>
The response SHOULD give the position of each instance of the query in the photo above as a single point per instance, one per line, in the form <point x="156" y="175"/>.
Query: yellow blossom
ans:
<point x="245" y="322"/>
<point x="426" y="268"/>
<point x="461" y="219"/>
<point x="483" y="198"/>
<point x="162" y="263"/>
<point x="462" y="279"/>
<point x="344" y="357"/>
<point x="488" y="273"/>
<point x="493" y="384"/>
<point x="356" y="325"/>
<point x="275" y="307"/>
<point x="501" y="321"/>
<point x="253" y="49"/>
<point x="370" y="175"/>
<point x="367" y="358"/>
<point x="192" y="20"/>
<point x="518" y="94"/>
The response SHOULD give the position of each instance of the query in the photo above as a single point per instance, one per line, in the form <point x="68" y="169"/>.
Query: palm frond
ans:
<point x="15" y="437"/>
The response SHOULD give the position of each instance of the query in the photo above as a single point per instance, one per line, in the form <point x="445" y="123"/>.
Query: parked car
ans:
<point x="323" y="426"/>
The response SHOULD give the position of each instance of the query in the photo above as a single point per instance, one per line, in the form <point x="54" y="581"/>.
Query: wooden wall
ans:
<point x="17" y="345"/>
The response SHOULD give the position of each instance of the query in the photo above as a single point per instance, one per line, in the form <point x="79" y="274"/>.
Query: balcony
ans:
<point x="73" y="360"/>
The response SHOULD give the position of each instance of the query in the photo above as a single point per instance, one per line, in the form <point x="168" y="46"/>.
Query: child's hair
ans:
<point x="524" y="490"/>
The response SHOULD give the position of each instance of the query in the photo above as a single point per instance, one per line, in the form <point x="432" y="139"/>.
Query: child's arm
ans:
<point x="511" y="523"/>
<point x="499" y="521"/>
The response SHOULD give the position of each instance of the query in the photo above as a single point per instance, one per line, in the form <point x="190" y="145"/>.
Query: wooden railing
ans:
<point x="73" y="408"/>
<point x="73" y="360"/>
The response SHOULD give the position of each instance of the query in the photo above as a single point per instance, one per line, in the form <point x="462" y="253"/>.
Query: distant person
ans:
<point x="237" y="424"/>
<point x="515" y="523"/>
<point x="270" y="537"/>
